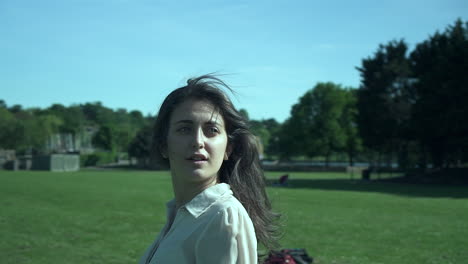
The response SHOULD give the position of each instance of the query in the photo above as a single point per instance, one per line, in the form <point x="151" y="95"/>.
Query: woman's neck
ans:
<point x="184" y="192"/>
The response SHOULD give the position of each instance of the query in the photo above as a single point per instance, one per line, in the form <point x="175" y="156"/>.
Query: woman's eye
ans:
<point x="183" y="130"/>
<point x="214" y="130"/>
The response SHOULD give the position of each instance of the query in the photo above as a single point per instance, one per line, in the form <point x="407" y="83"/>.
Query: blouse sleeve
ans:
<point x="228" y="238"/>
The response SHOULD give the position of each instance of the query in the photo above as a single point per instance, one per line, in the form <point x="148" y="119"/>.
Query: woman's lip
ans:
<point x="197" y="156"/>
<point x="197" y="162"/>
<point x="197" y="159"/>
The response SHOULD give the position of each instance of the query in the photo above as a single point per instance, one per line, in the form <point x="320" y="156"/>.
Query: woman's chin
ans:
<point x="201" y="176"/>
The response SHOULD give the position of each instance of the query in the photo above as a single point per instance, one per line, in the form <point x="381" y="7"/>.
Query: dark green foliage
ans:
<point x="7" y="129"/>
<point x="29" y="129"/>
<point x="97" y="158"/>
<point x="104" y="138"/>
<point x="15" y="109"/>
<point x="97" y="113"/>
<point x="348" y="122"/>
<point x="267" y="132"/>
<point x="321" y="123"/>
<point x="244" y="113"/>
<point x="141" y="143"/>
<point x="273" y="127"/>
<point x="259" y="129"/>
<point x="384" y="97"/>
<point x="87" y="160"/>
<point x="72" y="117"/>
<point x="415" y="106"/>
<point x="25" y="129"/>
<point x="440" y="65"/>
<point x="411" y="107"/>
<point x="288" y="139"/>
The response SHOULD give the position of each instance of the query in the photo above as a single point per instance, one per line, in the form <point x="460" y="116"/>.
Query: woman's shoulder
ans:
<point x="230" y="211"/>
<point x="227" y="215"/>
<point x="229" y="204"/>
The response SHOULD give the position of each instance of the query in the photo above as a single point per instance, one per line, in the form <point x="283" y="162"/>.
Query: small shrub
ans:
<point x="97" y="158"/>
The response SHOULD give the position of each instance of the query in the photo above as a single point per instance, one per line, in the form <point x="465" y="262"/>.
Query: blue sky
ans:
<point x="131" y="54"/>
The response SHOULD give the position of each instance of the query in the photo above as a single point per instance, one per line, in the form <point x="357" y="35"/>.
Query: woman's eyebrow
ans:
<point x="214" y="122"/>
<point x="210" y="122"/>
<point x="184" y="122"/>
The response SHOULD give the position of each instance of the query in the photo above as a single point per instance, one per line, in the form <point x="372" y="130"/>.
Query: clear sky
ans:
<point x="131" y="54"/>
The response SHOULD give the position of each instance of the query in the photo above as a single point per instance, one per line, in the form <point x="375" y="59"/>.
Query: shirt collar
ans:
<point x="202" y="201"/>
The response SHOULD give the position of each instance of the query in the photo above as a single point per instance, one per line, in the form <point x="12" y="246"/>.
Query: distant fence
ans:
<point x="303" y="166"/>
<point x="54" y="162"/>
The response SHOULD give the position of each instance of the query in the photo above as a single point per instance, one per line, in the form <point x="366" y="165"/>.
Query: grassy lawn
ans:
<point x="112" y="216"/>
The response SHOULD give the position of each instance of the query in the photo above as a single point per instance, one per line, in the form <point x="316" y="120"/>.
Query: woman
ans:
<point x="220" y="209"/>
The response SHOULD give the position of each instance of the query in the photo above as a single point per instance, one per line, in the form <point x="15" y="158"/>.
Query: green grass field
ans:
<point x="112" y="216"/>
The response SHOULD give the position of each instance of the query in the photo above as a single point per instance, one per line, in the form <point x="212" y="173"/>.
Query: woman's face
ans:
<point x="197" y="142"/>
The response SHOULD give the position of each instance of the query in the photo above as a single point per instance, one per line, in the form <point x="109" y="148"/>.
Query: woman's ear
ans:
<point x="228" y="152"/>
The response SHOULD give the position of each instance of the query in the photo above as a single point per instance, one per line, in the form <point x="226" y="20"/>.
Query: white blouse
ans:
<point x="213" y="227"/>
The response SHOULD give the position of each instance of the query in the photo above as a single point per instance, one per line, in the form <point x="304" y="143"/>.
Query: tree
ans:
<point x="123" y="135"/>
<point x="327" y="134"/>
<point x="264" y="130"/>
<point x="47" y="125"/>
<point x="15" y="109"/>
<point x="7" y="129"/>
<point x="98" y="114"/>
<point x="140" y="146"/>
<point x="384" y="97"/>
<point x="440" y="112"/>
<point x="28" y="129"/>
<point x="289" y="140"/>
<point x="314" y="126"/>
<point x="348" y="122"/>
<point x="244" y="113"/>
<point x="104" y="138"/>
<point x="273" y="127"/>
<point x="259" y="129"/>
<point x="72" y="117"/>
<point x="137" y="120"/>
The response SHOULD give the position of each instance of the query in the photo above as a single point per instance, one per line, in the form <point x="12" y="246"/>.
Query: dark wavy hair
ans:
<point x="242" y="171"/>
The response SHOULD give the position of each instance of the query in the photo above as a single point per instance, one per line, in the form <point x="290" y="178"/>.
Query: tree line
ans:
<point x="410" y="108"/>
<point x="27" y="130"/>
<point x="413" y="104"/>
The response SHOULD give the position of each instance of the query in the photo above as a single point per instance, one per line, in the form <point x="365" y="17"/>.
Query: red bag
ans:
<point x="279" y="257"/>
<point x="289" y="256"/>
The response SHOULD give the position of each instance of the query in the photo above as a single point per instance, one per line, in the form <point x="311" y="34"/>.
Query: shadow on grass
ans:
<point x="388" y="187"/>
<point x="122" y="167"/>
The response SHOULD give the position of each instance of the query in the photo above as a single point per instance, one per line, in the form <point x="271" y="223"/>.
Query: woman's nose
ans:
<point x="198" y="139"/>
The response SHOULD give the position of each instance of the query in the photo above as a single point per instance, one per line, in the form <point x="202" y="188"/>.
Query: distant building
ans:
<point x="6" y="155"/>
<point x="72" y="143"/>
<point x="56" y="162"/>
